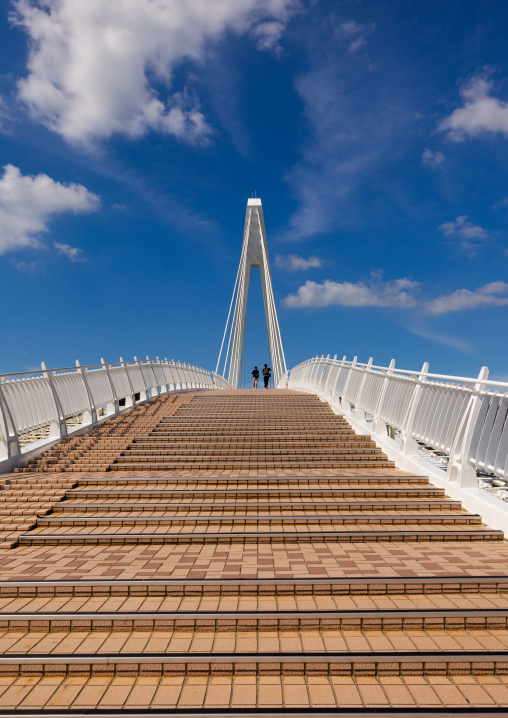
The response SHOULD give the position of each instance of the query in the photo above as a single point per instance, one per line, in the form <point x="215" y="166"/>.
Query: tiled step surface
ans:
<point x="226" y="693"/>
<point x="385" y="597"/>
<point x="315" y="642"/>
<point x="96" y="450"/>
<point x="22" y="500"/>
<point x="271" y="432"/>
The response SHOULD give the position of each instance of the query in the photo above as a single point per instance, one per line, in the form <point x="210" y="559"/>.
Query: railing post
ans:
<point x="58" y="427"/>
<point x="378" y="426"/>
<point x="163" y="387"/>
<point x="145" y="392"/>
<point x="319" y="378"/>
<point x="327" y="387"/>
<point x="89" y="417"/>
<point x="360" y="414"/>
<point x="181" y="375"/>
<point x="342" y="364"/>
<point x="176" y="376"/>
<point x="347" y="410"/>
<point x="111" y="409"/>
<point x="131" y="388"/>
<point x="459" y="470"/>
<point x="156" y="391"/>
<point x="408" y="446"/>
<point x="168" y="383"/>
<point x="9" y="441"/>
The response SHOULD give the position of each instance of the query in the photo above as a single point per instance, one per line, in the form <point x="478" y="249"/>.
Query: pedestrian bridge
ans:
<point x="173" y="545"/>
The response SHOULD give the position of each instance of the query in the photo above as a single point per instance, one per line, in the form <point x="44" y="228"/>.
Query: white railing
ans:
<point x="464" y="419"/>
<point x="49" y="399"/>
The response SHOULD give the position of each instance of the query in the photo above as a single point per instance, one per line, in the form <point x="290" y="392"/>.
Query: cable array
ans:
<point x="254" y="254"/>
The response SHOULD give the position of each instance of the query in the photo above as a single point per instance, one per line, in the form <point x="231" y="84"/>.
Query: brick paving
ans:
<point x="243" y="550"/>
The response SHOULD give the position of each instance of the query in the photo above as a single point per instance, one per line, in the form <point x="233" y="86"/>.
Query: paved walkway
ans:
<point x="244" y="550"/>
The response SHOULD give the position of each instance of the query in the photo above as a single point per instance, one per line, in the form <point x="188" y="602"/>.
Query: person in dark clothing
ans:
<point x="255" y="376"/>
<point x="266" y="371"/>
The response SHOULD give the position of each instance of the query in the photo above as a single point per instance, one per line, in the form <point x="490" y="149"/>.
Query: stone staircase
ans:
<point x="96" y="450"/>
<point x="264" y="432"/>
<point x="246" y="551"/>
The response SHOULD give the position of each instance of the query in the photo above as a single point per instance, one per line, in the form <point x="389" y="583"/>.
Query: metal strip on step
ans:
<point x="448" y="580"/>
<point x="251" y="492"/>
<point x="256" y="615"/>
<point x="258" y="712"/>
<point x="400" y="477"/>
<point x="463" y="518"/>
<point x="235" y="658"/>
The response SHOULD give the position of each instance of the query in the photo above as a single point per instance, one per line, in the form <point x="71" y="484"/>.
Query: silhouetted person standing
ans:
<point x="266" y="371"/>
<point x="255" y="377"/>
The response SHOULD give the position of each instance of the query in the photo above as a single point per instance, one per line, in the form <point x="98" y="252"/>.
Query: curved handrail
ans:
<point x="47" y="400"/>
<point x="463" y="417"/>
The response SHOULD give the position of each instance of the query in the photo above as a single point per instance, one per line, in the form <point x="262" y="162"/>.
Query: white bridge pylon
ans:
<point x="254" y="255"/>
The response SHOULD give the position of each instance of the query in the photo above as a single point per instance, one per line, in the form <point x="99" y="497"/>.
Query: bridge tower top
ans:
<point x="254" y="256"/>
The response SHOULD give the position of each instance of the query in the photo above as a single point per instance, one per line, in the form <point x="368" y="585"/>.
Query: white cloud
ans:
<point x="268" y="34"/>
<point x="74" y="254"/>
<point x="354" y="134"/>
<point x="471" y="236"/>
<point x="295" y="263"/>
<point x="350" y="28"/>
<point x="97" y="68"/>
<point x="372" y="293"/>
<point x="461" y="299"/>
<point x="27" y="204"/>
<point x="4" y="115"/>
<point x="28" y="267"/>
<point x="401" y="294"/>
<point x="444" y="339"/>
<point x="432" y="159"/>
<point x="355" y="33"/>
<point x="480" y="112"/>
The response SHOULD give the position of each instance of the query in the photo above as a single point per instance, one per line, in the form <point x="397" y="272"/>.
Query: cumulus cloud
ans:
<point x="471" y="236"/>
<point x="481" y="112"/>
<point x="99" y="68"/>
<point x="295" y="263"/>
<point x="494" y="294"/>
<point x="27" y="204"/>
<point x="398" y="293"/>
<point x="371" y="293"/>
<point x="432" y="159"/>
<point x="74" y="254"/>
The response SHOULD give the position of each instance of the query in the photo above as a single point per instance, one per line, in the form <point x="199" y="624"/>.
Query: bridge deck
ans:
<point x="244" y="550"/>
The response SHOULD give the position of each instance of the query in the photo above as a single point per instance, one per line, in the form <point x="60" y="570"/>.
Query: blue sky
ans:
<point x="132" y="133"/>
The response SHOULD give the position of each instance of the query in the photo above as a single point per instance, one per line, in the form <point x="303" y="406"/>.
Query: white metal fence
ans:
<point x="465" y="419"/>
<point x="49" y="398"/>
